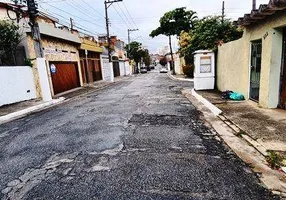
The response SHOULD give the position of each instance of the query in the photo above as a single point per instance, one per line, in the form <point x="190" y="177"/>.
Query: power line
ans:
<point x="133" y="21"/>
<point x="42" y="2"/>
<point x="83" y="11"/>
<point x="81" y="27"/>
<point x="133" y="27"/>
<point x="123" y="20"/>
<point x="120" y="15"/>
<point x="75" y="16"/>
<point x="125" y="16"/>
<point x="94" y="9"/>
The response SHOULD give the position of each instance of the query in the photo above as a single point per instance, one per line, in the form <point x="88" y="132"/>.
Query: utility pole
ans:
<point x="33" y="13"/>
<point x="130" y="30"/>
<point x="172" y="57"/>
<point x="253" y="4"/>
<point x="40" y="60"/>
<point x="107" y="4"/>
<point x="71" y="21"/>
<point x="222" y="14"/>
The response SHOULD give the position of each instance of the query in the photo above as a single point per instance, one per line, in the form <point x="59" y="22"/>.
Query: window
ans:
<point x="205" y="64"/>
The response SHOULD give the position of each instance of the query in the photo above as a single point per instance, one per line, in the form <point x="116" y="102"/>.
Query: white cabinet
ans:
<point x="204" y="74"/>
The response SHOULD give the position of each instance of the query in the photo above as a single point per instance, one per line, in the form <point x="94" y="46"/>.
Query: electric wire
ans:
<point x="80" y="27"/>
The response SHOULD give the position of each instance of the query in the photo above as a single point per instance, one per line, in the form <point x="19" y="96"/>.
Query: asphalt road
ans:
<point x="137" y="139"/>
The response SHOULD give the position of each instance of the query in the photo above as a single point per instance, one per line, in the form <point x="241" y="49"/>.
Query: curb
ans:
<point x="216" y="111"/>
<point x="239" y="131"/>
<point x="98" y="88"/>
<point x="248" y="153"/>
<point x="30" y="110"/>
<point x="22" y="113"/>
<point x="179" y="79"/>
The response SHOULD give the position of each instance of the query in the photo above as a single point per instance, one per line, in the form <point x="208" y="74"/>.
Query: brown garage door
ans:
<point x="64" y="77"/>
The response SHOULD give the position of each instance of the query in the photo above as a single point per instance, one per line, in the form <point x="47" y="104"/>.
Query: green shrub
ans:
<point x="274" y="159"/>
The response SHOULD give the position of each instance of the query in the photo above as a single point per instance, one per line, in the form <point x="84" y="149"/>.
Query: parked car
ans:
<point x="152" y="67"/>
<point x="148" y="68"/>
<point x="143" y="70"/>
<point x="163" y="69"/>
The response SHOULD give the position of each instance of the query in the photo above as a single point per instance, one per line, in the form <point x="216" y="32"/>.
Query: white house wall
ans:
<point x="107" y="69"/>
<point x="127" y="68"/>
<point x="122" y="68"/>
<point x="16" y="84"/>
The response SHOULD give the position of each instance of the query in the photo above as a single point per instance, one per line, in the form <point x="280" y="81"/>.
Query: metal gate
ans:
<point x="90" y="66"/>
<point x="256" y="49"/>
<point x="116" y="69"/>
<point x="282" y="99"/>
<point x="64" y="76"/>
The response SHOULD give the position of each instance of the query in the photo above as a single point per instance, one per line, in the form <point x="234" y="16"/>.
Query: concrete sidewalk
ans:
<point x="266" y="126"/>
<point x="21" y="109"/>
<point x="273" y="179"/>
<point x="262" y="128"/>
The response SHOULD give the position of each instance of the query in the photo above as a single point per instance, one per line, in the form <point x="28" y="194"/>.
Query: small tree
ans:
<point x="147" y="58"/>
<point x="208" y="33"/>
<point x="173" y="23"/>
<point x="163" y="61"/>
<point x="10" y="38"/>
<point x="136" y="52"/>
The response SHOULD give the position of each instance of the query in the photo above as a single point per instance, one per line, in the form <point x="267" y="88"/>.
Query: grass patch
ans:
<point x="274" y="159"/>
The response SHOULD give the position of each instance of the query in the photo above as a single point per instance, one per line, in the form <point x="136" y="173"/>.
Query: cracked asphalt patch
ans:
<point x="138" y="139"/>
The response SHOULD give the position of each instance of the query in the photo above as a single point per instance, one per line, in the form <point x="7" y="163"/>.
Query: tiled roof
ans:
<point x="262" y="12"/>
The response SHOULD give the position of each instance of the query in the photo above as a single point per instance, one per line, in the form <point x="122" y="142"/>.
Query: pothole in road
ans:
<point x="159" y="120"/>
<point x="211" y="144"/>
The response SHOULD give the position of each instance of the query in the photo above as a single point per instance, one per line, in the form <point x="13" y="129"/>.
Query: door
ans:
<point x="64" y="77"/>
<point x="116" y="69"/>
<point x="255" y="69"/>
<point x="84" y="72"/>
<point x="282" y="102"/>
<point x="96" y="70"/>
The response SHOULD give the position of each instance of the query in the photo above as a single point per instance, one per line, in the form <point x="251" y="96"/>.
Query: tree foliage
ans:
<point x="133" y="51"/>
<point x="10" y="38"/>
<point x="175" y="21"/>
<point x="163" y="61"/>
<point x="137" y="52"/>
<point x="208" y="33"/>
<point x="147" y="58"/>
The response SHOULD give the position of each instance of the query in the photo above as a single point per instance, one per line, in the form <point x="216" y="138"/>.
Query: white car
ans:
<point x="163" y="70"/>
<point x="143" y="70"/>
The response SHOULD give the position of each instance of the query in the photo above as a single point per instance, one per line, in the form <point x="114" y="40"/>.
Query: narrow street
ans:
<point x="137" y="139"/>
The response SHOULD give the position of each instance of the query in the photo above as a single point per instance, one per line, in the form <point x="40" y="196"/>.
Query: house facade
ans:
<point x="61" y="52"/>
<point x="255" y="64"/>
<point x="70" y="59"/>
<point x="91" y="66"/>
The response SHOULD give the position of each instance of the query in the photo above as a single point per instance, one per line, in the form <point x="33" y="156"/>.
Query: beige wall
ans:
<point x="232" y="67"/>
<point x="178" y="64"/>
<point x="233" y="64"/>
<point x="50" y="45"/>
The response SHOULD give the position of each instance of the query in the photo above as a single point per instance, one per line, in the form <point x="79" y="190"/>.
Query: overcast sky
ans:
<point x="141" y="14"/>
